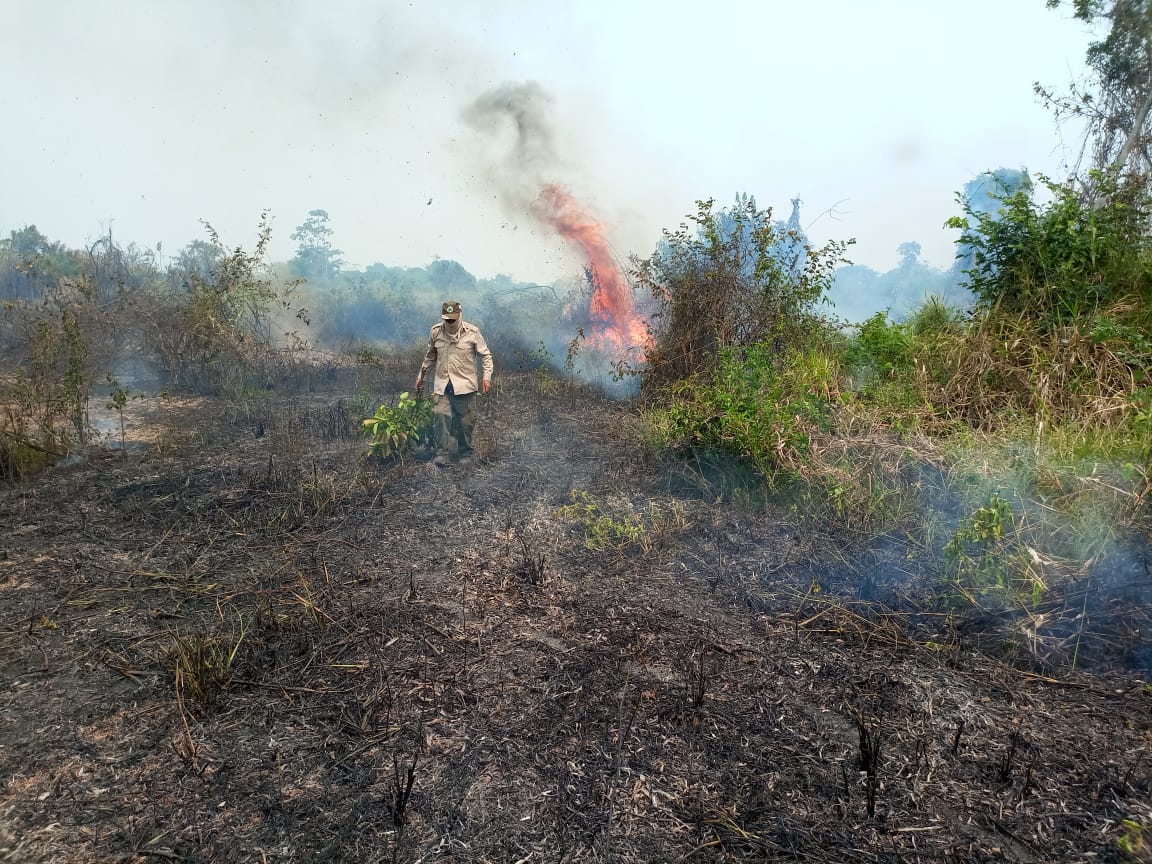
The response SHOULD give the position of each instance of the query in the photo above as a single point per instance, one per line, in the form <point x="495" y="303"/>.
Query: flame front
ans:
<point x="617" y="328"/>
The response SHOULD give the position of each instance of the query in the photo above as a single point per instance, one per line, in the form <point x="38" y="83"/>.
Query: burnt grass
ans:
<point x="247" y="643"/>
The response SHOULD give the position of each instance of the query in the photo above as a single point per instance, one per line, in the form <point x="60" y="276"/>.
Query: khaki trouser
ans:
<point x="452" y="416"/>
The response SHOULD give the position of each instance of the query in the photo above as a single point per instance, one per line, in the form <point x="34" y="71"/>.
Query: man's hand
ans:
<point x="419" y="384"/>
<point x="485" y="387"/>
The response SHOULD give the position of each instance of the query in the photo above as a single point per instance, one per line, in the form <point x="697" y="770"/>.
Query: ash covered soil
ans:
<point x="243" y="647"/>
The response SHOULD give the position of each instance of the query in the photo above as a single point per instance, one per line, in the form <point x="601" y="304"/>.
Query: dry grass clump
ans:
<point x="1006" y="367"/>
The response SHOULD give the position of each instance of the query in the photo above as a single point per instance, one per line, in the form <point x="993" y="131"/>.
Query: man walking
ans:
<point x="454" y="346"/>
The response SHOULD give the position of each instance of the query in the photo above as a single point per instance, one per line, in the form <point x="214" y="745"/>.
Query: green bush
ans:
<point x="746" y="409"/>
<point x="603" y="527"/>
<point x="881" y="346"/>
<point x="934" y="318"/>
<point x="1058" y="261"/>
<point x="731" y="279"/>
<point x="990" y="559"/>
<point x="396" y="430"/>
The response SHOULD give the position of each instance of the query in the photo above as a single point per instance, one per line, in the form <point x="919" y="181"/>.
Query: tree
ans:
<point x="197" y="260"/>
<point x="450" y="277"/>
<point x="32" y="265"/>
<point x="27" y="243"/>
<point x="1117" y="98"/>
<point x="315" y="256"/>
<point x="909" y="254"/>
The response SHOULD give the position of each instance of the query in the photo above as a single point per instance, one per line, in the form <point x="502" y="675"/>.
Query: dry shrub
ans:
<point x="201" y="666"/>
<point x="216" y="335"/>
<point x="58" y="344"/>
<point x="1004" y="367"/>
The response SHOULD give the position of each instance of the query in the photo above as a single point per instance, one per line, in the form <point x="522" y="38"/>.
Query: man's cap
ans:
<point x="450" y="311"/>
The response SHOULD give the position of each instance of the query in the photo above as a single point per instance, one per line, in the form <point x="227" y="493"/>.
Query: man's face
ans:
<point x="452" y="325"/>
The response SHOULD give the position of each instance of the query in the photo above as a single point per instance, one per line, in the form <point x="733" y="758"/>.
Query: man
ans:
<point x="454" y="345"/>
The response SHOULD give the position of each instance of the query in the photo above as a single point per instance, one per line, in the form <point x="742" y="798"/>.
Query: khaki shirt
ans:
<point x="455" y="358"/>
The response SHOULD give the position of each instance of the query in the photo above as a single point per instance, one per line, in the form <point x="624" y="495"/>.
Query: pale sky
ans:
<point x="147" y="116"/>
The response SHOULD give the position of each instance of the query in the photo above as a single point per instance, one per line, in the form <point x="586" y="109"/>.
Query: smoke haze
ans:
<point x="397" y="119"/>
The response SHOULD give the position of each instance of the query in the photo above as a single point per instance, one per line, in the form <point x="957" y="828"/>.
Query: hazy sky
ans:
<point x="150" y="115"/>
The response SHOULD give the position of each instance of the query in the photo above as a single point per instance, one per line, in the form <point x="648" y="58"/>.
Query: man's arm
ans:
<point x="429" y="358"/>
<point x="486" y="364"/>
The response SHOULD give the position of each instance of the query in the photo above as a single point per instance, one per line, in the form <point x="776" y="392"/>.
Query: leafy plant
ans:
<point x="118" y="401"/>
<point x="1064" y="259"/>
<point x="881" y="347"/>
<point x="984" y="553"/>
<point x="731" y="279"/>
<point x="932" y="318"/>
<point x="984" y="526"/>
<point x="602" y="529"/>
<point x="1134" y="843"/>
<point x="539" y="363"/>
<point x="748" y="408"/>
<point x="395" y="430"/>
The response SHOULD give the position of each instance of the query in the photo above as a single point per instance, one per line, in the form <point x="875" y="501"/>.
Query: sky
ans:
<point x="147" y="118"/>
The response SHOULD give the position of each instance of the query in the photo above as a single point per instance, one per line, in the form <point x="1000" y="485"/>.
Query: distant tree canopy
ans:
<point x="24" y="255"/>
<point x="450" y="277"/>
<point x="197" y="260"/>
<point x="316" y="259"/>
<point x="909" y="253"/>
<point x="28" y="243"/>
<point x="860" y="292"/>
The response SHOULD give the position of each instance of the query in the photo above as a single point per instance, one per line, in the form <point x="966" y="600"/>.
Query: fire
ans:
<point x="616" y="325"/>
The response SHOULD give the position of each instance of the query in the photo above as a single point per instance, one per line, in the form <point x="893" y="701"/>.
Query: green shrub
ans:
<point x="396" y="430"/>
<point x="989" y="559"/>
<point x="881" y="346"/>
<point x="747" y="409"/>
<point x="933" y="318"/>
<point x="731" y="279"/>
<point x="603" y="528"/>
<point x="1059" y="261"/>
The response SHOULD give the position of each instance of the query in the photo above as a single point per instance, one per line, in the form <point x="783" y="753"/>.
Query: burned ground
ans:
<point x="246" y="643"/>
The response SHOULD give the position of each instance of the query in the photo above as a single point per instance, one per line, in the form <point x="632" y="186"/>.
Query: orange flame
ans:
<point x="616" y="326"/>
